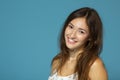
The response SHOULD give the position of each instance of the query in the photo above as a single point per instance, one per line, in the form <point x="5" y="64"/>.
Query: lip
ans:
<point x="71" y="41"/>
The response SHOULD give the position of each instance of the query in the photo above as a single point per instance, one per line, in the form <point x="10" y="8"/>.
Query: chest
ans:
<point x="68" y="68"/>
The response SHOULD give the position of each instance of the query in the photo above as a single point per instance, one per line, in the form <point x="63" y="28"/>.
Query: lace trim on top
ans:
<point x="55" y="76"/>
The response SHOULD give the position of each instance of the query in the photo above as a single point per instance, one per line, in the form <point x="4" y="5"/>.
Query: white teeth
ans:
<point x="71" y="40"/>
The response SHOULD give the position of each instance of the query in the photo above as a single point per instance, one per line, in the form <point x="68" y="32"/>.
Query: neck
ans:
<point x="74" y="54"/>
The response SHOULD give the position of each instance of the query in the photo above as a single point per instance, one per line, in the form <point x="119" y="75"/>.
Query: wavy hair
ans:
<point x="92" y="47"/>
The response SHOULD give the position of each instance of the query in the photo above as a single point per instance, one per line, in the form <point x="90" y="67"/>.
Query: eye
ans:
<point x="82" y="31"/>
<point x="70" y="26"/>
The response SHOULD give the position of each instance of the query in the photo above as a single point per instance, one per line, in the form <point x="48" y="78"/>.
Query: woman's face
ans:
<point x="76" y="33"/>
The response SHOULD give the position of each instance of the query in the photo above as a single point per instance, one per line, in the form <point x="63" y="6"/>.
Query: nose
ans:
<point x="73" y="34"/>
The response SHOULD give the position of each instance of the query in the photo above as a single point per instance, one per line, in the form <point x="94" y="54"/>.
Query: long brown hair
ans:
<point x="92" y="47"/>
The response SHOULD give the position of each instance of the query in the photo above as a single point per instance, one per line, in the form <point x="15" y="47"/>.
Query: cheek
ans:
<point x="66" y="31"/>
<point x="83" y="38"/>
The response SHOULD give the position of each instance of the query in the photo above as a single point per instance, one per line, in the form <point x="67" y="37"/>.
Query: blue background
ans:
<point x="29" y="33"/>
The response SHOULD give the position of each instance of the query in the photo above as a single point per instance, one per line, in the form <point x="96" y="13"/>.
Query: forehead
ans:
<point x="79" y="23"/>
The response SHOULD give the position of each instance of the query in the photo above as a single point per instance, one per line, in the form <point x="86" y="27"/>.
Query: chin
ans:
<point x="71" y="48"/>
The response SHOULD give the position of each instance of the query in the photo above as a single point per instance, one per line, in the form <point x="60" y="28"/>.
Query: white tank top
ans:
<point x="54" y="76"/>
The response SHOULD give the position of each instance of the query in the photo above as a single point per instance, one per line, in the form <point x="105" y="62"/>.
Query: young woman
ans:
<point x="80" y="47"/>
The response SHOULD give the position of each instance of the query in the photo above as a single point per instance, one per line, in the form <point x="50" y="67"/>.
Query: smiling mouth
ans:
<point x="71" y="41"/>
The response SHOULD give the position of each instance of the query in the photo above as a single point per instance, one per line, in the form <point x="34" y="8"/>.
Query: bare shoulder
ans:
<point x="55" y="65"/>
<point x="98" y="70"/>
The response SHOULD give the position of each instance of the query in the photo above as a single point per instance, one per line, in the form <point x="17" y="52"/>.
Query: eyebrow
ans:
<point x="71" y="24"/>
<point x="79" y="28"/>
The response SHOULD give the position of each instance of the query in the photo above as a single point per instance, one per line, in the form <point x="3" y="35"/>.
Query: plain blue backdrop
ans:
<point x="29" y="35"/>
